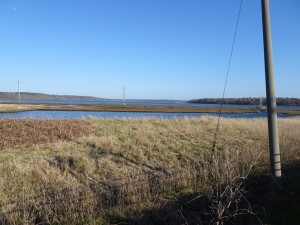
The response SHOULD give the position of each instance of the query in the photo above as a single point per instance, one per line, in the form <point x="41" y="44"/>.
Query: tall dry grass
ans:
<point x="98" y="167"/>
<point x="28" y="132"/>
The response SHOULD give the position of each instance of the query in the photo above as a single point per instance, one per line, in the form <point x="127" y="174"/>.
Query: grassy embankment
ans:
<point x="19" y="107"/>
<point x="99" y="171"/>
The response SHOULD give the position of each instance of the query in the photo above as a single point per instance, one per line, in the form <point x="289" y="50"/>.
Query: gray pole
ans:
<point x="270" y="91"/>
<point x="124" y="95"/>
<point x="19" y="96"/>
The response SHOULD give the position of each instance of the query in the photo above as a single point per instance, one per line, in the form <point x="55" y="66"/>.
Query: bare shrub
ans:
<point x="225" y="197"/>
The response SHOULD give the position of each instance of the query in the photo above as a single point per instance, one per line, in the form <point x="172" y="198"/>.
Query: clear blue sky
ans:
<point x="158" y="49"/>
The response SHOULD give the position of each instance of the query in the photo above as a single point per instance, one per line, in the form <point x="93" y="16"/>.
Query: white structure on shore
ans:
<point x="260" y="105"/>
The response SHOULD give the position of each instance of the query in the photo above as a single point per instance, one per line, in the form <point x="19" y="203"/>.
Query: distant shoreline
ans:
<point x="30" y="96"/>
<point x="246" y="101"/>
<point x="40" y="96"/>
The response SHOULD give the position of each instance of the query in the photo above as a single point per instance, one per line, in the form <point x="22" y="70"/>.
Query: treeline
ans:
<point x="40" y="96"/>
<point x="246" y="101"/>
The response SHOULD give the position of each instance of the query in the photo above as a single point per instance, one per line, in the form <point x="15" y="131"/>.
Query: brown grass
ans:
<point x="19" y="107"/>
<point x="123" y="165"/>
<point x="27" y="132"/>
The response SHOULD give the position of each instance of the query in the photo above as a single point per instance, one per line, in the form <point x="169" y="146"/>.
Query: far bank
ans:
<point x="22" y="107"/>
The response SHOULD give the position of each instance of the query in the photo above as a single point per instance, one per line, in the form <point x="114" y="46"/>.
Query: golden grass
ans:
<point x="12" y="107"/>
<point x="73" y="171"/>
<point x="19" y="107"/>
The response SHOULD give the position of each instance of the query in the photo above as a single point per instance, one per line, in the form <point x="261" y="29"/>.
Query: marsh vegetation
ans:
<point x="21" y="107"/>
<point x="136" y="171"/>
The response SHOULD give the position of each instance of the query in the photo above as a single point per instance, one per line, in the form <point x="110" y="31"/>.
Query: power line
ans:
<point x="228" y="69"/>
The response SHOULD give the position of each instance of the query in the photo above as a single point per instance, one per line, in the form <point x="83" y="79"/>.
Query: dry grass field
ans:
<point x="135" y="171"/>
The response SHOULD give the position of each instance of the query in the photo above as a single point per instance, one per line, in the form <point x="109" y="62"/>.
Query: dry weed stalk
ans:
<point x="226" y="199"/>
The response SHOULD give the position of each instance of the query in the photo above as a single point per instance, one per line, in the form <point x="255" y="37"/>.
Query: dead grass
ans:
<point x="79" y="171"/>
<point x="28" y="132"/>
<point x="22" y="106"/>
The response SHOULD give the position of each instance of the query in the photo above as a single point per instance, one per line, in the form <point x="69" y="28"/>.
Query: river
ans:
<point x="140" y="102"/>
<point x="87" y="114"/>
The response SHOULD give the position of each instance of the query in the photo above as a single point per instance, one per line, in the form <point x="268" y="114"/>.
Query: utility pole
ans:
<point x="124" y="95"/>
<point x="271" y="99"/>
<point x="19" y="96"/>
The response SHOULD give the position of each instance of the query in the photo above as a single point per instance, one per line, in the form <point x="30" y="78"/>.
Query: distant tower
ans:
<point x="124" y="95"/>
<point x="19" y="96"/>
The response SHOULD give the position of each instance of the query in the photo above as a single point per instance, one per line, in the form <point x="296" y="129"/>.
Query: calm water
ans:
<point x="84" y="114"/>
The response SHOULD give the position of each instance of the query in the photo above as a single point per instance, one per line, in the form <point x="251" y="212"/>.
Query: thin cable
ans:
<point x="228" y="69"/>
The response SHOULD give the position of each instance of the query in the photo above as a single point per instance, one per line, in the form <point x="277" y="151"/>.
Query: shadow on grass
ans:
<point x="282" y="207"/>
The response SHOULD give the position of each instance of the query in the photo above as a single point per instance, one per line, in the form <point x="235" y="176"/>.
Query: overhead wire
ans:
<point x="227" y="74"/>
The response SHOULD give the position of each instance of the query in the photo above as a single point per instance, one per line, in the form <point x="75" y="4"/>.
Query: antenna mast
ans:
<point x="19" y="96"/>
<point x="124" y="95"/>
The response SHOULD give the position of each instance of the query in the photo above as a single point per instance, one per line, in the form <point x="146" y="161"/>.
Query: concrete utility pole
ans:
<point x="271" y="99"/>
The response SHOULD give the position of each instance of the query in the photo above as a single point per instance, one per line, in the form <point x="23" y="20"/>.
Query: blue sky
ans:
<point x="158" y="49"/>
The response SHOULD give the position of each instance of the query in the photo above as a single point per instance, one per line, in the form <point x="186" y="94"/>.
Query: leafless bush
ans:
<point x="225" y="198"/>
